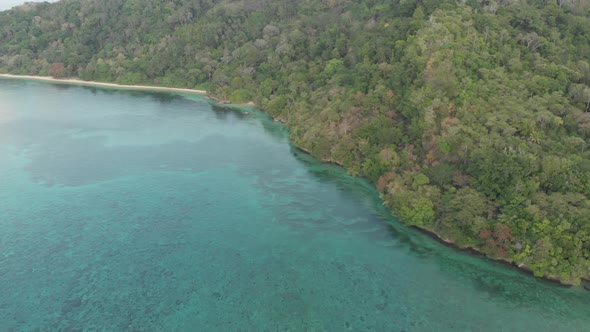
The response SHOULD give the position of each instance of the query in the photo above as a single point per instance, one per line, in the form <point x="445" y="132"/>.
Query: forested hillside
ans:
<point x="471" y="117"/>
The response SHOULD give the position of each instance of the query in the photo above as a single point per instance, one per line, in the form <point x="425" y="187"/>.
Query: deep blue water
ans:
<point x="134" y="211"/>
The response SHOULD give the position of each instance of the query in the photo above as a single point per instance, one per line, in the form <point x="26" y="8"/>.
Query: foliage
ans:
<point x="471" y="117"/>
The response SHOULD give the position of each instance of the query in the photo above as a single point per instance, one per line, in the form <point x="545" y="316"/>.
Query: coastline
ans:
<point x="585" y="284"/>
<point x="504" y="261"/>
<point x="74" y="81"/>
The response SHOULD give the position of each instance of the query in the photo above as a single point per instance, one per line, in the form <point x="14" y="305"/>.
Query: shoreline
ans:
<point x="75" y="81"/>
<point x="502" y="261"/>
<point x="585" y="284"/>
<point x="507" y="263"/>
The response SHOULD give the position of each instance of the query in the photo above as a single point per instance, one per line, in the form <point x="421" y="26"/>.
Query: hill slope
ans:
<point x="471" y="117"/>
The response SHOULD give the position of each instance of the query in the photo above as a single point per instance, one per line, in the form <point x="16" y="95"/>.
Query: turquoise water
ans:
<point x="132" y="211"/>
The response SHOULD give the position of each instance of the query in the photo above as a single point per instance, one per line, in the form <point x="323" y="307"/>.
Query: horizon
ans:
<point x="8" y="4"/>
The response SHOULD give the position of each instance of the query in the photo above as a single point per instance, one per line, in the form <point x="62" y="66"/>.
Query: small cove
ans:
<point x="124" y="210"/>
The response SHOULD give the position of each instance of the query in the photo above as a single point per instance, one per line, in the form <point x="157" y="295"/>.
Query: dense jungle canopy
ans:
<point x="471" y="117"/>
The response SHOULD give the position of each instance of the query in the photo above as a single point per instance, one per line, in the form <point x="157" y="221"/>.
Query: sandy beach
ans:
<point x="100" y="84"/>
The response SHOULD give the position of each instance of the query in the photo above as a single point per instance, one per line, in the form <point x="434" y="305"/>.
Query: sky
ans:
<point x="7" y="4"/>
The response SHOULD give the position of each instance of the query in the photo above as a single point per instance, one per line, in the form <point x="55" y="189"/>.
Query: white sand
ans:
<point x="109" y="85"/>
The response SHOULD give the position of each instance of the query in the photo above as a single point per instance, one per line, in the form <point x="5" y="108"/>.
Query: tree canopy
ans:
<point x="472" y="117"/>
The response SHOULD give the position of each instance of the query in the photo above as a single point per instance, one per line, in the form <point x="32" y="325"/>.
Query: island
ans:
<point x="472" y="118"/>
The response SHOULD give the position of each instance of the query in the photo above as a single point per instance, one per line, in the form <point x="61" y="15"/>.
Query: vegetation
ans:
<point x="472" y="117"/>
